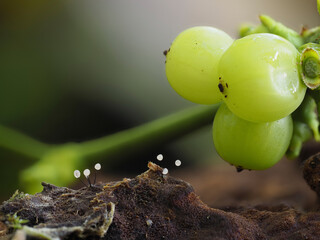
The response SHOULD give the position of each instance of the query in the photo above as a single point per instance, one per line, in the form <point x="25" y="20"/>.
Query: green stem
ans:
<point x="20" y="143"/>
<point x="281" y="30"/>
<point x="247" y="29"/>
<point x="57" y="165"/>
<point x="306" y="113"/>
<point x="301" y="134"/>
<point x="155" y="132"/>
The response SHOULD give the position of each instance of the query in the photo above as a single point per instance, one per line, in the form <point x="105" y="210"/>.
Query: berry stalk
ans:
<point x="279" y="29"/>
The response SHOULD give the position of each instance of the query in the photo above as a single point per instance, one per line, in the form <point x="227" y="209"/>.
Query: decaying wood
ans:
<point x="151" y="206"/>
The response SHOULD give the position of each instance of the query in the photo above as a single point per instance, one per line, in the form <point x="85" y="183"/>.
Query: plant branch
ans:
<point x="281" y="30"/>
<point x="20" y="143"/>
<point x="57" y="164"/>
<point x="155" y="132"/>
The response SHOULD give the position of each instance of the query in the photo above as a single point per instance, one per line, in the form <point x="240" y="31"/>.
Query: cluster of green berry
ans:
<point x="261" y="80"/>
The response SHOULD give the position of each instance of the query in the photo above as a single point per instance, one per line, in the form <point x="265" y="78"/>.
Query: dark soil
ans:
<point x="272" y="204"/>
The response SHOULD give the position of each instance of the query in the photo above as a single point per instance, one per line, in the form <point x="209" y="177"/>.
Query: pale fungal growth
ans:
<point x="97" y="166"/>
<point x="149" y="222"/>
<point x="165" y="171"/>
<point x="160" y="157"/>
<point x="76" y="173"/>
<point x="177" y="163"/>
<point x="86" y="173"/>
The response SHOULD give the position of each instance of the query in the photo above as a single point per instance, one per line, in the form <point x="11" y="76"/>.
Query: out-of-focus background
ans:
<point x="77" y="70"/>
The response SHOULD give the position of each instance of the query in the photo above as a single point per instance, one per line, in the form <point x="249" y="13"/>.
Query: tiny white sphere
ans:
<point x="76" y="173"/>
<point x="97" y="166"/>
<point x="86" y="173"/>
<point x="177" y="163"/>
<point x="165" y="171"/>
<point x="160" y="157"/>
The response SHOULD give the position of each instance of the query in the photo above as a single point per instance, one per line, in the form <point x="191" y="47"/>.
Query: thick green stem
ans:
<point x="20" y="143"/>
<point x="57" y="165"/>
<point x="306" y="113"/>
<point x="301" y="134"/>
<point x="155" y="132"/>
<point x="281" y="30"/>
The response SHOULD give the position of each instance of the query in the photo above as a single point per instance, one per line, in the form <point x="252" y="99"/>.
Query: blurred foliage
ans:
<point x="55" y="163"/>
<point x="25" y="90"/>
<point x="56" y="166"/>
<point x="71" y="71"/>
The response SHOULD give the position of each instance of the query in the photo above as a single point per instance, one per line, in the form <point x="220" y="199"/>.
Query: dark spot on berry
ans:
<point x="165" y="52"/>
<point x="220" y="87"/>
<point x="227" y="85"/>
<point x="219" y="78"/>
<point x="225" y="96"/>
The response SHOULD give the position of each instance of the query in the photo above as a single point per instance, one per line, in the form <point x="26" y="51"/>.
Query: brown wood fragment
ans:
<point x="155" y="206"/>
<point x="311" y="172"/>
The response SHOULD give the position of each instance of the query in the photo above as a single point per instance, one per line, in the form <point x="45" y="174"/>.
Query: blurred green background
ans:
<point x="78" y="70"/>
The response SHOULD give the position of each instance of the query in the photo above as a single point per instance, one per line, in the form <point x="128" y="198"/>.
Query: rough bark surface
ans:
<point x="149" y="206"/>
